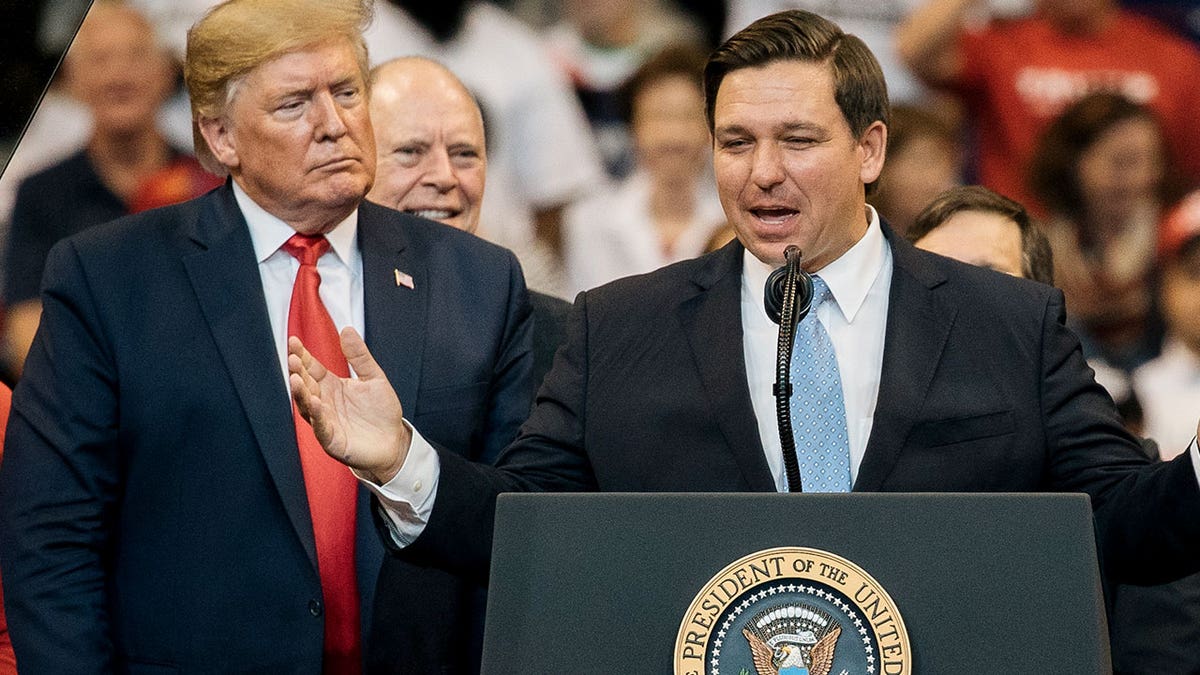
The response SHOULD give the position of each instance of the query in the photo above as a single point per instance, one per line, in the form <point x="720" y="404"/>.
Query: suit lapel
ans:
<point x="395" y="315"/>
<point x="918" y="325"/>
<point x="712" y="322"/>
<point x="225" y="277"/>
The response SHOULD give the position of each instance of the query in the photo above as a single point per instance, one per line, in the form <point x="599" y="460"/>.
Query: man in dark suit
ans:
<point x="162" y="510"/>
<point x="950" y="377"/>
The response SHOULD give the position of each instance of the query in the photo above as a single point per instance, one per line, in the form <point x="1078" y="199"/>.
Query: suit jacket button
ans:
<point x="314" y="607"/>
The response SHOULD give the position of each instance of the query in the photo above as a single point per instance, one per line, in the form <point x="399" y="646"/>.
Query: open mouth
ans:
<point x="773" y="215"/>
<point x="433" y="214"/>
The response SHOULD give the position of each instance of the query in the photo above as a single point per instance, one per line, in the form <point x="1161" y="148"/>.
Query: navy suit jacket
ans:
<point x="982" y="389"/>
<point x="154" y="515"/>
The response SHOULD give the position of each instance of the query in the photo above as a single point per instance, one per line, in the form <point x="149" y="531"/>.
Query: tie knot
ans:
<point x="306" y="248"/>
<point x="820" y="292"/>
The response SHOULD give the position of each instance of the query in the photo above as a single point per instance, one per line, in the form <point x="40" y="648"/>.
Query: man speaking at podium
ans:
<point x="912" y="372"/>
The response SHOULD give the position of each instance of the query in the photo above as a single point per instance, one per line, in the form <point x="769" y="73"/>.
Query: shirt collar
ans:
<point x="268" y="233"/>
<point x="849" y="278"/>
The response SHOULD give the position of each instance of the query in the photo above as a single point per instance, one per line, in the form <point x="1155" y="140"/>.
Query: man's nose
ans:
<point x="329" y="124"/>
<point x="766" y="167"/>
<point x="440" y="172"/>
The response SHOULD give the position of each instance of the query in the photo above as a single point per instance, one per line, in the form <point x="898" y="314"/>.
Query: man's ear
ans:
<point x="218" y="136"/>
<point x="873" y="146"/>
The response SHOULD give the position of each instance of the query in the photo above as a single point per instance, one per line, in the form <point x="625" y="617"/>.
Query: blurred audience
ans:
<point x="433" y="163"/>
<point x="668" y="209"/>
<point x="875" y="22"/>
<point x="543" y="154"/>
<point x="977" y="226"/>
<point x="1102" y="171"/>
<point x="115" y="69"/>
<point x="598" y="45"/>
<point x="1016" y="75"/>
<point x="1170" y="382"/>
<point x="924" y="159"/>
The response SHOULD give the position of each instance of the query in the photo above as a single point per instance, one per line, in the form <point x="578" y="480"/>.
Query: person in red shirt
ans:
<point x="1014" y="75"/>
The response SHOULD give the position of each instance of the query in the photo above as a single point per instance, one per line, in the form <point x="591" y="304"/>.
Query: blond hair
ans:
<point x="237" y="36"/>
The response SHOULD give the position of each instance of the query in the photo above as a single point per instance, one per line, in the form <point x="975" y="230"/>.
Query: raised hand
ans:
<point x="358" y="420"/>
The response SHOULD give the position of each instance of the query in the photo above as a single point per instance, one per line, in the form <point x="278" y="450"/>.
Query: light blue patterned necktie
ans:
<point x="817" y="405"/>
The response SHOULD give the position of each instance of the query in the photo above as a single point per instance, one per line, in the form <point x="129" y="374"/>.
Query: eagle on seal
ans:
<point x="792" y="659"/>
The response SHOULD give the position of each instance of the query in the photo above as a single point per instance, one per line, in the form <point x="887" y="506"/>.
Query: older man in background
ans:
<point x="162" y="508"/>
<point x="429" y="135"/>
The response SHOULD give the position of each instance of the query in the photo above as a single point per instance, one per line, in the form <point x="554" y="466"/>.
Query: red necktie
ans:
<point x="331" y="488"/>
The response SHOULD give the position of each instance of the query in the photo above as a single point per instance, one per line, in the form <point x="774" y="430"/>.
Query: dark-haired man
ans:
<point x="975" y="225"/>
<point x="948" y="377"/>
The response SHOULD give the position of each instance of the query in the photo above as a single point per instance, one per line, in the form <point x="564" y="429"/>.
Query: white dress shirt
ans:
<point x="340" y="269"/>
<point x="855" y="319"/>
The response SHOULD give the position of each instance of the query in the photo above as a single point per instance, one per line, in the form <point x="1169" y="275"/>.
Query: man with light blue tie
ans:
<point x="951" y="377"/>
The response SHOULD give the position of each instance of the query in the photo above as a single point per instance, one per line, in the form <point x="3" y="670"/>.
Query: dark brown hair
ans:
<point x="1053" y="175"/>
<point x="1037" y="262"/>
<point x="859" y="87"/>
<point x="677" y="60"/>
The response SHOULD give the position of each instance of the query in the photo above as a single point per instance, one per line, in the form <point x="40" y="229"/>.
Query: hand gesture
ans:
<point x="358" y="420"/>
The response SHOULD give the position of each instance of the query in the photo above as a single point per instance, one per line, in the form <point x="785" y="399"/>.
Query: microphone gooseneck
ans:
<point x="787" y="298"/>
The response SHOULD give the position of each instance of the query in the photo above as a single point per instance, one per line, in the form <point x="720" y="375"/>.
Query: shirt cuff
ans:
<point x="407" y="499"/>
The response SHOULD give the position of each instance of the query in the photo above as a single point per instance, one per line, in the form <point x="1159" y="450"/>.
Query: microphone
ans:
<point x="773" y="293"/>
<point x="787" y="297"/>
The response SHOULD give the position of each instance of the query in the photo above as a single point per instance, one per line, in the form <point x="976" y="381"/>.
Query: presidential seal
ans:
<point x="792" y="611"/>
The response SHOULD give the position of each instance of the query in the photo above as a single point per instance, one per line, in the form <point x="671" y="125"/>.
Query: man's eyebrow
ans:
<point x="802" y="126"/>
<point x="730" y="129"/>
<point x="737" y="129"/>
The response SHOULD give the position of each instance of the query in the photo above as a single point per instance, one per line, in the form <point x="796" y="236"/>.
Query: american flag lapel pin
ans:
<point x="403" y="279"/>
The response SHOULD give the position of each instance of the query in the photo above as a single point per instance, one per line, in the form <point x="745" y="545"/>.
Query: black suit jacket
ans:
<point x="154" y="515"/>
<point x="982" y="389"/>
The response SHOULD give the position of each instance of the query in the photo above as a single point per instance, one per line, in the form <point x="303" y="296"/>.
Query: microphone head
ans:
<point x="773" y="292"/>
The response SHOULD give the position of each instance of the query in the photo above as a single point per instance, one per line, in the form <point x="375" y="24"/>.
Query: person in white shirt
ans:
<point x="668" y="209"/>
<point x="1169" y="385"/>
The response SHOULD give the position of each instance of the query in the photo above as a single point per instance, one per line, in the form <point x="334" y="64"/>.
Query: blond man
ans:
<point x="162" y="508"/>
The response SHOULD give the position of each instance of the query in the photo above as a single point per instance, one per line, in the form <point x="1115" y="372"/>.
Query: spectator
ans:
<point x="977" y="226"/>
<point x="1102" y="171"/>
<point x="433" y="163"/>
<point x="542" y="148"/>
<point x="668" y="209"/>
<point x="117" y="70"/>
<point x="599" y="44"/>
<point x="1171" y="381"/>
<point x="1016" y="75"/>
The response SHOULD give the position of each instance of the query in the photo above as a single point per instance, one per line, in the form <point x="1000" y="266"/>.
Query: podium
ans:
<point x="984" y="583"/>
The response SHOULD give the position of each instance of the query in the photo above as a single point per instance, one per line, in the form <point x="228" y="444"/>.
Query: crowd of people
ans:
<point x="1045" y="139"/>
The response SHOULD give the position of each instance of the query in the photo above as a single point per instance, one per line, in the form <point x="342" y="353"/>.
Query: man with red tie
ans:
<point x="163" y="506"/>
